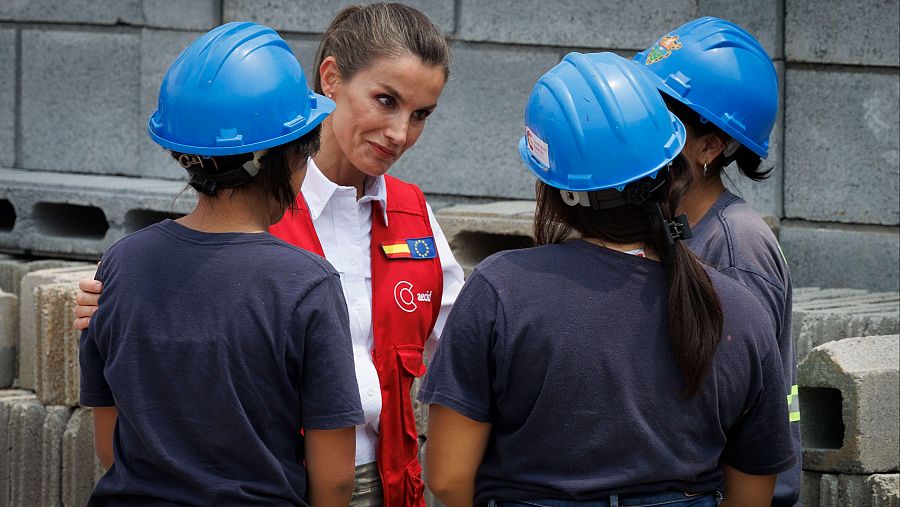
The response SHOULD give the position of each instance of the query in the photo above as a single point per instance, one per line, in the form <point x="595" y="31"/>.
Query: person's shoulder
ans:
<point x="508" y="268"/>
<point x="753" y="248"/>
<point x="743" y="222"/>
<point x="744" y="313"/>
<point x="290" y="257"/>
<point x="136" y="242"/>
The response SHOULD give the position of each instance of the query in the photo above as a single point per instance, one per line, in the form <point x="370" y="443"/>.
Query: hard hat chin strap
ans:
<point x="208" y="178"/>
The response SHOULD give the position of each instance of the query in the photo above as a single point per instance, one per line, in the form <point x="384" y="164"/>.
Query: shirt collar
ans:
<point x="318" y="190"/>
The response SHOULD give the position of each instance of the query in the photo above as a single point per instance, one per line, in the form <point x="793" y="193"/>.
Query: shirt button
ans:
<point x="370" y="392"/>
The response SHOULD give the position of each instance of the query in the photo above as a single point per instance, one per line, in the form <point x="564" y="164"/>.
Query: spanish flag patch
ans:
<point x="415" y="248"/>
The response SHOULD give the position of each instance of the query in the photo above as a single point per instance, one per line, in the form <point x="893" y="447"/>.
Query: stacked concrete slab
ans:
<point x="46" y="452"/>
<point x="850" y="406"/>
<point x="824" y="315"/>
<point x="33" y="328"/>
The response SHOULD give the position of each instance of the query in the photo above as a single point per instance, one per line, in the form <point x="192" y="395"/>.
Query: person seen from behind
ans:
<point x="202" y="363"/>
<point x="606" y="366"/>
<point x="717" y="78"/>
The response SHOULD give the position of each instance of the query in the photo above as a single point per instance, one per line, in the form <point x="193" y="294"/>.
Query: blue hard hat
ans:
<point x="595" y="122"/>
<point x="722" y="72"/>
<point x="236" y="89"/>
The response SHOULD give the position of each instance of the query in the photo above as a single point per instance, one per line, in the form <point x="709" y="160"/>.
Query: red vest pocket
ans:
<point x="410" y="357"/>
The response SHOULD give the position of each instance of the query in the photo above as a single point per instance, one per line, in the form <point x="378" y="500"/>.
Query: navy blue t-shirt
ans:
<point x="732" y="238"/>
<point x="564" y="350"/>
<point x="216" y="349"/>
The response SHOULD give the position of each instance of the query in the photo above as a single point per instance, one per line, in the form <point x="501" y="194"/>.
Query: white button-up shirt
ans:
<point x="344" y="227"/>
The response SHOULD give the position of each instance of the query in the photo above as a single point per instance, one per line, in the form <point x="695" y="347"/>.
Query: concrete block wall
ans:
<point x="81" y="79"/>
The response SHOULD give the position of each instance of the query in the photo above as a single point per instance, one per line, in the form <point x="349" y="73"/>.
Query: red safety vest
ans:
<point x="406" y="299"/>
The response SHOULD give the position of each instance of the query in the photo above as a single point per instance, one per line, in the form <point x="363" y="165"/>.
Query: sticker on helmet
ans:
<point x="538" y="148"/>
<point x="663" y="48"/>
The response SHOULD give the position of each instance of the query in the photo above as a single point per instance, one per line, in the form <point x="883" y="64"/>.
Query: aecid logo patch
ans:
<point x="406" y="299"/>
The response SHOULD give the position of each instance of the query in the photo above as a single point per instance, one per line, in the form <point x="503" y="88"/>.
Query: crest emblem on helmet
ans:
<point x="663" y="48"/>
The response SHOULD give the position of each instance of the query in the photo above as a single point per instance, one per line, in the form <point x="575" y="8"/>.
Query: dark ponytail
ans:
<point x="694" y="312"/>
<point x="749" y="163"/>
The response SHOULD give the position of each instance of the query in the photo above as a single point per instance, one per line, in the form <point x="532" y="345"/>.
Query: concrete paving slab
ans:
<point x="9" y="337"/>
<point x="8" y="399"/>
<point x="57" y="375"/>
<point x="51" y="448"/>
<point x="81" y="468"/>
<point x="29" y="316"/>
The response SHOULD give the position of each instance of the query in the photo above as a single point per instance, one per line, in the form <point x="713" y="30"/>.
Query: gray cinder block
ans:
<point x="7" y="97"/>
<point x="828" y="490"/>
<point x="81" y="467"/>
<point x="106" y="12"/>
<point x="822" y="316"/>
<point x="767" y="196"/>
<point x="76" y="215"/>
<point x="831" y="255"/>
<point x="571" y="24"/>
<point x="182" y="14"/>
<point x="858" y="33"/>
<point x="759" y="17"/>
<point x="29" y="317"/>
<point x="159" y="49"/>
<point x="841" y="127"/>
<point x="314" y="16"/>
<point x="473" y="133"/>
<point x="849" y="392"/>
<point x="9" y="332"/>
<point x="476" y="231"/>
<point x="98" y="132"/>
<point x="8" y="399"/>
<point x="52" y="450"/>
<point x="57" y="371"/>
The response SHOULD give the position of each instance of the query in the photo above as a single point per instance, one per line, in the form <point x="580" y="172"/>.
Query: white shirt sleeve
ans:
<point x="453" y="282"/>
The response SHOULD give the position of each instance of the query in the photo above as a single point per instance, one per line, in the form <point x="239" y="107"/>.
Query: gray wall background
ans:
<point x="78" y="80"/>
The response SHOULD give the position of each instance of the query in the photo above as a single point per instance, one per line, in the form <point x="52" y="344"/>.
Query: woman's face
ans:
<point x="382" y="109"/>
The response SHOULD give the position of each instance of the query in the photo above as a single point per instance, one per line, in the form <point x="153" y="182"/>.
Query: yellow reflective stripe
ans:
<point x="793" y="401"/>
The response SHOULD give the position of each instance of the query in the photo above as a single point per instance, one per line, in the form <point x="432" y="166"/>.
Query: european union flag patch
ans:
<point x="415" y="248"/>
